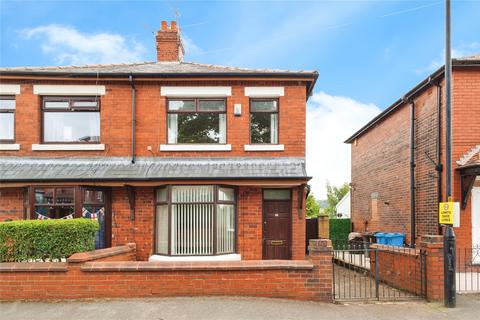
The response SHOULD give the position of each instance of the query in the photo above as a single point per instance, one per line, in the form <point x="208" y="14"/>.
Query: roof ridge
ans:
<point x="80" y="66"/>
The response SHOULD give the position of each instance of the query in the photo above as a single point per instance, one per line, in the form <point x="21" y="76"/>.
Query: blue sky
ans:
<point x="368" y="53"/>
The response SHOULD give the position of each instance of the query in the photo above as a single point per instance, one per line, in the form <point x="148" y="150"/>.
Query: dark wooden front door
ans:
<point x="276" y="229"/>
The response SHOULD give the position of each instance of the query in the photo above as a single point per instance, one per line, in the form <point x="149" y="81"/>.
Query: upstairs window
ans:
<point x="264" y="121"/>
<point x="7" y="118"/>
<point x="197" y="121"/>
<point x="68" y="119"/>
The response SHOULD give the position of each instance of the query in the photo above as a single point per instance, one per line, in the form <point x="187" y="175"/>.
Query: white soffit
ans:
<point x="264" y="92"/>
<point x="196" y="92"/>
<point x="68" y="90"/>
<point x="9" y="89"/>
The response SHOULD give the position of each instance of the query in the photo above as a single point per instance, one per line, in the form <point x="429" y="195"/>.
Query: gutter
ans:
<point x="134" y="116"/>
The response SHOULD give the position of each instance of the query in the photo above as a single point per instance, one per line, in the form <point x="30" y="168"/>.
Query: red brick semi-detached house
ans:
<point x="398" y="159"/>
<point x="189" y="161"/>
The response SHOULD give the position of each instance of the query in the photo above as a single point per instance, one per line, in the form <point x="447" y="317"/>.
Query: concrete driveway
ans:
<point x="235" y="309"/>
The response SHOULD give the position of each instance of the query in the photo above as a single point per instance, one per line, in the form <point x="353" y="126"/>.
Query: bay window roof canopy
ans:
<point x="20" y="169"/>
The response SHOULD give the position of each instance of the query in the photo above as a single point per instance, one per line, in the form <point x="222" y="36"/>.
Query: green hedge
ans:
<point x="45" y="239"/>
<point x="339" y="229"/>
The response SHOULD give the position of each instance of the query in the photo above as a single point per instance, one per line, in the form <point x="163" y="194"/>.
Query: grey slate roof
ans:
<point x="16" y="169"/>
<point x="153" y="68"/>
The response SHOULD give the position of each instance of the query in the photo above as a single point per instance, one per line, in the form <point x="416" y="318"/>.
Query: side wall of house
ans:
<point x="381" y="171"/>
<point x="465" y="136"/>
<point x="380" y="176"/>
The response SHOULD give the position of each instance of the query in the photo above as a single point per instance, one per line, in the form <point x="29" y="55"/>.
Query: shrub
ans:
<point x="339" y="230"/>
<point x="45" y="239"/>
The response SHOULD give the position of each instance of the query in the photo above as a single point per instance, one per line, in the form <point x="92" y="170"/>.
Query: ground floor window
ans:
<point x="68" y="202"/>
<point x="195" y="220"/>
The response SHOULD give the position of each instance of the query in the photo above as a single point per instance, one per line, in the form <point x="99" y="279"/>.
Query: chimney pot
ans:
<point x="173" y="25"/>
<point x="164" y="26"/>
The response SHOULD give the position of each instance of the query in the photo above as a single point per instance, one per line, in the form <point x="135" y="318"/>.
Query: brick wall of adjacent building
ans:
<point x="116" y="120"/>
<point x="465" y="136"/>
<point x="380" y="161"/>
<point x="297" y="279"/>
<point x="380" y="176"/>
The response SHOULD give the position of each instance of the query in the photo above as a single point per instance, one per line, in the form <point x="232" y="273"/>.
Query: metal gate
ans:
<point x="382" y="273"/>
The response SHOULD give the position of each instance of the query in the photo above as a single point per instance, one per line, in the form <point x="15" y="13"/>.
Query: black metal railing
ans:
<point x="468" y="270"/>
<point x="363" y="271"/>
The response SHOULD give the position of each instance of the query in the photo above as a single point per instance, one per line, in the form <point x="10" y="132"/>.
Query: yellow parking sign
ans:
<point x="445" y="212"/>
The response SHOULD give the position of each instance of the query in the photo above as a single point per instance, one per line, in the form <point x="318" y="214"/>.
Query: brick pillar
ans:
<point x="321" y="254"/>
<point x="433" y="247"/>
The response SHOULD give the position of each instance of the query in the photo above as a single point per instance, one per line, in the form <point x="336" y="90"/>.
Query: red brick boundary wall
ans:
<point x="401" y="267"/>
<point x="97" y="275"/>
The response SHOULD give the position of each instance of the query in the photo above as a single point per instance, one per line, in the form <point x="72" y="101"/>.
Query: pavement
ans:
<point x="212" y="308"/>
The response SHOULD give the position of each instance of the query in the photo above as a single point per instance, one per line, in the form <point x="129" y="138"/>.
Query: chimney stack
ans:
<point x="169" y="43"/>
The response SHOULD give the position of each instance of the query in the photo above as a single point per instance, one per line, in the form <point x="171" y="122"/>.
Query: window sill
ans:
<point x="195" y="147"/>
<point x="264" y="147"/>
<point x="9" y="147"/>
<point x="223" y="257"/>
<point x="68" y="147"/>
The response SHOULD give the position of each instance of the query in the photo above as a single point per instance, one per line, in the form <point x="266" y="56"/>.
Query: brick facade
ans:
<point x="381" y="161"/>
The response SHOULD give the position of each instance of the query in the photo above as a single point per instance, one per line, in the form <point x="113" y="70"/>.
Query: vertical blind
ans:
<point x="198" y="222"/>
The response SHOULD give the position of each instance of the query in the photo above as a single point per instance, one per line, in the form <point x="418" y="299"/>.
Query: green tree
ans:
<point x="312" y="208"/>
<point x="334" y="195"/>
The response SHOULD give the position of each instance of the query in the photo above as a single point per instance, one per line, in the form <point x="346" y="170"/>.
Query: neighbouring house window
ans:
<point x="54" y="203"/>
<point x="197" y="121"/>
<point x="195" y="220"/>
<point x="264" y="121"/>
<point x="71" y="119"/>
<point x="7" y="118"/>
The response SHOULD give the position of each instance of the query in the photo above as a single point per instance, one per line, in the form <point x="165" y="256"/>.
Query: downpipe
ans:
<point x="134" y="116"/>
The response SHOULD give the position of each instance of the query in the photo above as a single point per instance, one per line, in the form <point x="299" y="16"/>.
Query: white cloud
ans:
<point x="459" y="52"/>
<point x="67" y="45"/>
<point x="330" y="121"/>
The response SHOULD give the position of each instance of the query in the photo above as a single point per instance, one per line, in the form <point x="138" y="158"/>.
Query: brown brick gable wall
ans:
<point x="380" y="161"/>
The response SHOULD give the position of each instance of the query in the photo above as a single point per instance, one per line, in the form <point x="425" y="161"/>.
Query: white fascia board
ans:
<point x="9" y="147"/>
<point x="68" y="147"/>
<point x="68" y="90"/>
<point x="195" y="147"/>
<point x="264" y="92"/>
<point x="196" y="92"/>
<point x="9" y="89"/>
<point x="264" y="147"/>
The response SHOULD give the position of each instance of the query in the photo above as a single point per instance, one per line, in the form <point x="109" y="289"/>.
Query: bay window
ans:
<point x="71" y="120"/>
<point x="7" y="118"/>
<point x="196" y="121"/>
<point x="264" y="121"/>
<point x="195" y="220"/>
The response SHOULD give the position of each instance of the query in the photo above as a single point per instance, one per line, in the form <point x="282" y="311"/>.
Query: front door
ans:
<point x="276" y="224"/>
<point x="476" y="224"/>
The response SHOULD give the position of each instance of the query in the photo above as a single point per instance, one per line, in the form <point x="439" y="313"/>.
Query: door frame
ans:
<point x="290" y="222"/>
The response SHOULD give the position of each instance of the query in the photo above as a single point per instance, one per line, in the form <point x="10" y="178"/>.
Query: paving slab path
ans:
<point x="212" y="308"/>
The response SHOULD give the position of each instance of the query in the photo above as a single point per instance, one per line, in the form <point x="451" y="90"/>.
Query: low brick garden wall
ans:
<point x="112" y="272"/>
<point x="413" y="270"/>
